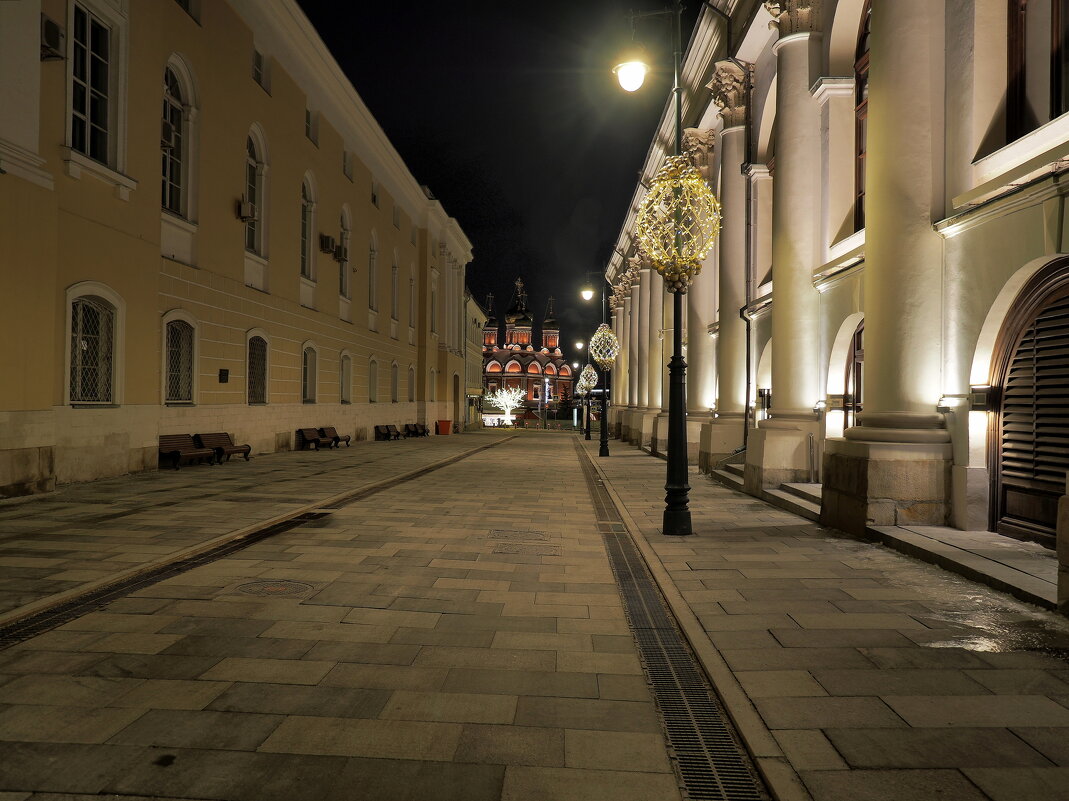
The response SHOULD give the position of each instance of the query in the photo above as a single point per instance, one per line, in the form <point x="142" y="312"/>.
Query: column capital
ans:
<point x="795" y="16"/>
<point x="730" y="84"/>
<point x="699" y="144"/>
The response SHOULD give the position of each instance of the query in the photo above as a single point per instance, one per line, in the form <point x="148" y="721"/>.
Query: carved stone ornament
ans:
<point x="795" y="16"/>
<point x="729" y="85"/>
<point x="699" y="145"/>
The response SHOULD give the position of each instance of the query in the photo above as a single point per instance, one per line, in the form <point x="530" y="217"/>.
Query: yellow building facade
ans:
<point x="204" y="229"/>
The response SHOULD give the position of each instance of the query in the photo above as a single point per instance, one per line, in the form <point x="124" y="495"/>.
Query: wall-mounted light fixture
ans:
<point x="983" y="398"/>
<point x="819" y="407"/>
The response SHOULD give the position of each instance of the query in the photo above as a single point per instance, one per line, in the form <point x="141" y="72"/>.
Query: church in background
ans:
<point x="516" y="361"/>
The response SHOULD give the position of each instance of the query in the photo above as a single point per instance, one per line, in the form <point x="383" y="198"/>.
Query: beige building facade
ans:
<point x="886" y="313"/>
<point x="204" y="229"/>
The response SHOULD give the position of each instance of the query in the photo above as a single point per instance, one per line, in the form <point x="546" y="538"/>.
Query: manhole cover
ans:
<point x="529" y="550"/>
<point x="275" y="589"/>
<point x="506" y="534"/>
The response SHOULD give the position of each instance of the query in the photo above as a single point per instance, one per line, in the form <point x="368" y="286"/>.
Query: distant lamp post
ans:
<point x="589" y="377"/>
<point x="581" y="390"/>
<point x="587" y="292"/>
<point x="604" y="348"/>
<point x="579" y="345"/>
<point x="677" y="223"/>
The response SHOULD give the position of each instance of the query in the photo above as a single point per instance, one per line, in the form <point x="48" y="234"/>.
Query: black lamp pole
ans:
<point x="603" y="448"/>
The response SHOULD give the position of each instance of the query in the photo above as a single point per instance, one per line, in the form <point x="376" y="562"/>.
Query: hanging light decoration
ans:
<point x="604" y="347"/>
<point x="589" y="377"/>
<point x="678" y="222"/>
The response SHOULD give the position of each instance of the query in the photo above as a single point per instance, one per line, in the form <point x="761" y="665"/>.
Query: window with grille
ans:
<point x="346" y="379"/>
<point x="257" y="370"/>
<point x="172" y="143"/>
<point x="411" y="300"/>
<point x="394" y="378"/>
<point x="259" y="70"/>
<point x="253" y="195"/>
<point x="306" y="231"/>
<point x="343" y="263"/>
<point x="393" y="292"/>
<point x="372" y="289"/>
<point x="373" y="381"/>
<point x="411" y="384"/>
<point x="92" y="350"/>
<point x="308" y="375"/>
<point x="179" y="362"/>
<point x="91" y="64"/>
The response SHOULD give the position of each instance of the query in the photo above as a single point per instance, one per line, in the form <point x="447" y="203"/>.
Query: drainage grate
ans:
<point x="506" y="534"/>
<point x="283" y="588"/>
<point x="528" y="550"/>
<point x="709" y="760"/>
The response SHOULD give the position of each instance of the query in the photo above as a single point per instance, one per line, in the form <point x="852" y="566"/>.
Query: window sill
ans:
<point x="257" y="403"/>
<point x="76" y="162"/>
<point x="179" y="403"/>
<point x="310" y="402"/>
<point x="91" y="405"/>
<point x="346" y="403"/>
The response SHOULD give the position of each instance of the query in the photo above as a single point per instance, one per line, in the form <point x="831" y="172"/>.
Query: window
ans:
<point x="396" y="216"/>
<point x="371" y="287"/>
<point x="411" y="384"/>
<point x="1037" y="87"/>
<point x="259" y="69"/>
<point x="172" y="143"/>
<point x="311" y="126"/>
<point x="374" y="194"/>
<point x="347" y="164"/>
<point x="432" y="390"/>
<point x="393" y="382"/>
<point x="411" y="299"/>
<point x="343" y="263"/>
<point x="91" y="91"/>
<point x="179" y="362"/>
<point x="393" y="292"/>
<point x="256" y="381"/>
<point x="373" y="381"/>
<point x="308" y="375"/>
<point x="191" y="7"/>
<point x="434" y="311"/>
<point x="861" y="113"/>
<point x="254" y="190"/>
<point x="346" y="379"/>
<point x="307" y="228"/>
<point x="92" y="350"/>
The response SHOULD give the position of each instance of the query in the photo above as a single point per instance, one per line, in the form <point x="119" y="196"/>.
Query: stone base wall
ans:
<point x="719" y="439"/>
<point x="778" y="453"/>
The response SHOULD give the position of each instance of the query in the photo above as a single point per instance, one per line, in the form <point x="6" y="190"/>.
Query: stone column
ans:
<point x="654" y="299"/>
<point x="724" y="435"/>
<point x="642" y="359"/>
<point x="895" y="467"/>
<point x="618" y="399"/>
<point x="778" y="451"/>
<point x="659" y="438"/>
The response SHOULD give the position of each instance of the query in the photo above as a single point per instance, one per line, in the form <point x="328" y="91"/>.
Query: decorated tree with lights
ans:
<point x="506" y="399"/>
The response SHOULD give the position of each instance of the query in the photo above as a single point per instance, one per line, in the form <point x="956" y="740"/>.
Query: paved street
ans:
<point x="460" y="635"/>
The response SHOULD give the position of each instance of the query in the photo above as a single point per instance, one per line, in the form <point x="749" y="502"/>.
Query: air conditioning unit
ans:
<point x="326" y="243"/>
<point x="341" y="254"/>
<point x="167" y="134"/>
<point x="246" y="210"/>
<point x="51" y="40"/>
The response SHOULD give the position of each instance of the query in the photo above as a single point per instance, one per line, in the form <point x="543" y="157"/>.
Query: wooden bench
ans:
<point x="381" y="433"/>
<point x="394" y="433"/>
<point x="423" y="430"/>
<point x="411" y="430"/>
<point x="310" y="437"/>
<point x="222" y="444"/>
<point x="181" y="448"/>
<point x="331" y="433"/>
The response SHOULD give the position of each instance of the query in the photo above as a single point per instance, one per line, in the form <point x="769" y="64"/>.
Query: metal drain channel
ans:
<point x="710" y="762"/>
<point x="47" y="619"/>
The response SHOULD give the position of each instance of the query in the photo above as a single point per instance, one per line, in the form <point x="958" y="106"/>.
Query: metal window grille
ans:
<point x="373" y="381"/>
<point x="252" y="195"/>
<point x="171" y="150"/>
<point x="411" y="301"/>
<point x="393" y="383"/>
<point x="393" y="293"/>
<point x="257" y="370"/>
<point x="308" y="376"/>
<point x="90" y="109"/>
<point x="306" y="232"/>
<point x="411" y="384"/>
<point x="346" y="379"/>
<point x="343" y="265"/>
<point x="371" y="286"/>
<point x="179" y="362"/>
<point x="92" y="350"/>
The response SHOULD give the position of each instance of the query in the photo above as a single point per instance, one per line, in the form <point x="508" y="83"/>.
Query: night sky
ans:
<point x="509" y="112"/>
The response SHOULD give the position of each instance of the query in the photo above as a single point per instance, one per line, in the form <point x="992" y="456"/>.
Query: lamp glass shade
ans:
<point x="586" y="293"/>
<point x="631" y="74"/>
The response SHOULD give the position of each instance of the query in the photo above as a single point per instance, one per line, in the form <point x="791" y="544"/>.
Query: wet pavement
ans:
<point x="461" y="635"/>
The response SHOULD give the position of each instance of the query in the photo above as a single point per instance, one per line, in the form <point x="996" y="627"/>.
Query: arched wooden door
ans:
<point x="1030" y="430"/>
<point x="855" y="378"/>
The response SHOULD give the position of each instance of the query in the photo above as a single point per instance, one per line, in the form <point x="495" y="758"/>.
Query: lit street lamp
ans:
<point x="604" y="347"/>
<point x="677" y="224"/>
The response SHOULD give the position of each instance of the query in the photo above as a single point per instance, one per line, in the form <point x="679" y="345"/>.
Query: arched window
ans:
<point x="411" y="384"/>
<point x="307" y="231"/>
<point x="256" y="381"/>
<point x="854" y="385"/>
<point x="373" y="381"/>
<point x="393" y="292"/>
<point x="861" y="114"/>
<point x="254" y="196"/>
<point x="179" y="362"/>
<point x="92" y="375"/>
<point x="493" y="367"/>
<point x="173" y="144"/>
<point x="346" y="378"/>
<point x="372" y="302"/>
<point x="308" y="374"/>
<point x="393" y="382"/>
<point x="343" y="263"/>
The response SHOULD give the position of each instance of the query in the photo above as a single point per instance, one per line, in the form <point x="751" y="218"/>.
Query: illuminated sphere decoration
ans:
<point x="678" y="223"/>
<point x="589" y="376"/>
<point x="604" y="347"/>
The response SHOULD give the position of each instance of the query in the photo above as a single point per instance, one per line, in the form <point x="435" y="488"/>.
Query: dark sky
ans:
<point x="509" y="112"/>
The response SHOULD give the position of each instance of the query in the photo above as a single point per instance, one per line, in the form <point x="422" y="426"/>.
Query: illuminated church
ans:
<point x="516" y="361"/>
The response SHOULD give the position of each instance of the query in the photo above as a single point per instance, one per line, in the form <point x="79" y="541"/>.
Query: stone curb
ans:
<point x="44" y="604"/>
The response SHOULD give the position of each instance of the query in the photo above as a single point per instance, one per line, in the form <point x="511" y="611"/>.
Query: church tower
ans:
<point x="518" y="322"/>
<point x="550" y="331"/>
<point x="490" y="329"/>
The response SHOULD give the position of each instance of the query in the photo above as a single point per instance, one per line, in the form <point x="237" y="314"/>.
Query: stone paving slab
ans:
<point x="881" y="677"/>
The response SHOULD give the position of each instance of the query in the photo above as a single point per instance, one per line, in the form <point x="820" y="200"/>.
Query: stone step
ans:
<point x="792" y="503"/>
<point x="734" y="469"/>
<point x="730" y="480"/>
<point x="807" y="492"/>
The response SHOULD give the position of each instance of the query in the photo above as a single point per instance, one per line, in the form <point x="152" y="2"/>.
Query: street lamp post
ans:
<point x="677" y="223"/>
